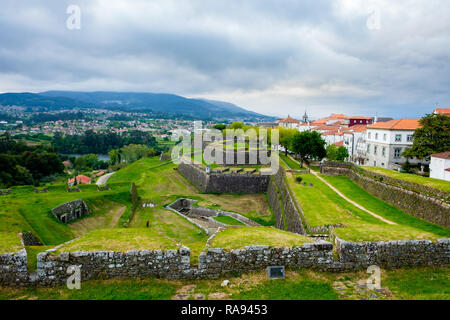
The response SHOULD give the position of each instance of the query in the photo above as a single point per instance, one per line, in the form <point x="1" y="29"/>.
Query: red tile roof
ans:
<point x="362" y="118"/>
<point x="443" y="155"/>
<point x="81" y="179"/>
<point x="399" y="124"/>
<point x="444" y="111"/>
<point x="339" y="143"/>
<point x="289" y="120"/>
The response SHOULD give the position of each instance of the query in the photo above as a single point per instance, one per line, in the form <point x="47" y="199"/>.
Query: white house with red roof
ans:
<point x="386" y="142"/>
<point x="289" y="123"/>
<point x="440" y="166"/>
<point x="81" y="179"/>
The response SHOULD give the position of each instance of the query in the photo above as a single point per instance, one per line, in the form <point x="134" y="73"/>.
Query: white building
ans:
<point x="289" y="123"/>
<point x="353" y="138"/>
<point x="440" y="166"/>
<point x="386" y="142"/>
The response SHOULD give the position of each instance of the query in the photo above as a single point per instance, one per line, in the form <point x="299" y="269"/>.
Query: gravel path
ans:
<point x="351" y="201"/>
<point x="104" y="179"/>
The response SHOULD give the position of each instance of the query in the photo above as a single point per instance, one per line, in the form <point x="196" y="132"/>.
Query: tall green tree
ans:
<point x="432" y="137"/>
<point x="286" y="136"/>
<point x="309" y="145"/>
<point x="342" y="153"/>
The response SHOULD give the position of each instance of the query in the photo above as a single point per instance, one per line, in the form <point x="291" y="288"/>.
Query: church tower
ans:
<point x="305" y="118"/>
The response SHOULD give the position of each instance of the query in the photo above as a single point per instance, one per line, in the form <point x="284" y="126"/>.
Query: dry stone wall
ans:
<point x="417" y="204"/>
<point x="13" y="268"/>
<point x="108" y="264"/>
<point x="216" y="262"/>
<point x="288" y="209"/>
<point x="393" y="254"/>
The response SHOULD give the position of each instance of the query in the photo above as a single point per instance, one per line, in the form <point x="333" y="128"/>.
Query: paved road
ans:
<point x="103" y="179"/>
<point x="351" y="201"/>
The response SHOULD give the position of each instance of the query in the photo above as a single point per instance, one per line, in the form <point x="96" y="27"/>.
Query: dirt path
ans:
<point x="103" y="179"/>
<point x="351" y="201"/>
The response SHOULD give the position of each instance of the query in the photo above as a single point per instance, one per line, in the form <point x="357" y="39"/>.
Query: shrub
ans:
<point x="299" y="179"/>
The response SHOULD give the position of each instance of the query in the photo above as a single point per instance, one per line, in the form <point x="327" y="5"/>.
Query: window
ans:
<point x="384" y="137"/>
<point x="383" y="152"/>
<point x="369" y="135"/>
<point x="398" y="137"/>
<point x="368" y="148"/>
<point x="409" y="138"/>
<point x="375" y="148"/>
<point x="397" y="152"/>
<point x="376" y="136"/>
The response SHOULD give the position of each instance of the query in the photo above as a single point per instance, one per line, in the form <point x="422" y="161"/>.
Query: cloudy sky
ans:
<point x="277" y="57"/>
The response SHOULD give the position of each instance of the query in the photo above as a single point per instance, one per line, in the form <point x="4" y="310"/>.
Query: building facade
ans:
<point x="386" y="142"/>
<point x="440" y="166"/>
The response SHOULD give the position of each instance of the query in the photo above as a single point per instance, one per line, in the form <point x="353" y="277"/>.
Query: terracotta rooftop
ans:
<point x="289" y="120"/>
<point x="399" y="124"/>
<point x="357" y="128"/>
<point x="443" y="155"/>
<point x="339" y="143"/>
<point x="444" y="111"/>
<point x="366" y="118"/>
<point x="81" y="179"/>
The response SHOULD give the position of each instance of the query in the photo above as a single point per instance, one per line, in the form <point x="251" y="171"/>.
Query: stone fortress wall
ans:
<point x="420" y="201"/>
<point x="216" y="262"/>
<point x="213" y="182"/>
<point x="287" y="212"/>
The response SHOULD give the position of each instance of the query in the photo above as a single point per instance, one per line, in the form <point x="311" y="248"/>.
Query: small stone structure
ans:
<point x="29" y="239"/>
<point x="5" y="192"/>
<point x="76" y="189"/>
<point x="71" y="211"/>
<point x="44" y="190"/>
<point x="203" y="217"/>
<point x="103" y="188"/>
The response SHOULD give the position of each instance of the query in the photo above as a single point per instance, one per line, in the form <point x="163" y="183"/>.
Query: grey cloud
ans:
<point x="276" y="57"/>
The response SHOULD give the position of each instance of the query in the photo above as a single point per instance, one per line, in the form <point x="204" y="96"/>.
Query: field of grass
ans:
<point x="25" y="210"/>
<point x="163" y="185"/>
<point x="294" y="165"/>
<point x="238" y="238"/>
<point x="409" y="284"/>
<point x="228" y="220"/>
<point x="173" y="227"/>
<point x="429" y="182"/>
<point x="10" y="242"/>
<point x="120" y="239"/>
<point x="322" y="206"/>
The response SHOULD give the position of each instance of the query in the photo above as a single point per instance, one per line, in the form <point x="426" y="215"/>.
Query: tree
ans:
<point x="309" y="145"/>
<point x="406" y="166"/>
<point x="220" y="127"/>
<point x="331" y="152"/>
<point x="134" y="152"/>
<point x="342" y="153"/>
<point x="237" y="125"/>
<point x="114" y="156"/>
<point x="286" y="136"/>
<point x="432" y="137"/>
